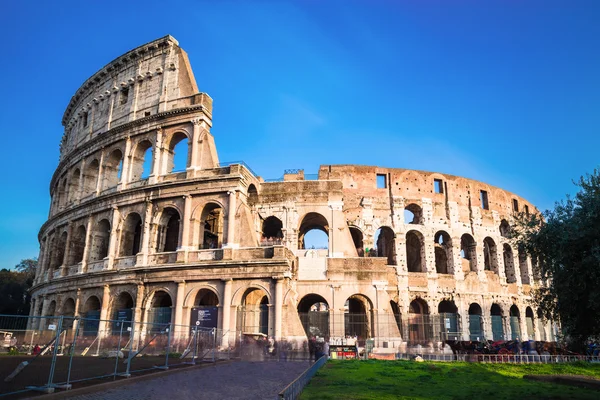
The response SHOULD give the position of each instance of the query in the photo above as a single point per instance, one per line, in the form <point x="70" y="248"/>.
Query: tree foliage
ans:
<point x="14" y="287"/>
<point x="564" y="244"/>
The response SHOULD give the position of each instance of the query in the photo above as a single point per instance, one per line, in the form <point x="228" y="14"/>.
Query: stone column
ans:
<point x="137" y="314"/>
<point x="104" y="325"/>
<point x="81" y="178"/>
<point x="146" y="235"/>
<point x="114" y="236"/>
<point x="31" y="321"/>
<point x="185" y="231"/>
<point x="44" y="321"/>
<point x="523" y="326"/>
<point x="226" y="318"/>
<point x="126" y="165"/>
<point x="67" y="255"/>
<point x="88" y="244"/>
<point x="231" y="219"/>
<point x="278" y="306"/>
<point x="76" y="311"/>
<point x="100" y="173"/>
<point x="153" y="177"/>
<point x="195" y="147"/>
<point x="178" y="329"/>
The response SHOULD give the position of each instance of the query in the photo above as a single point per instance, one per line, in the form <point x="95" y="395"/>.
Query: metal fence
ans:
<point x="49" y="353"/>
<point x="502" y="358"/>
<point x="294" y="389"/>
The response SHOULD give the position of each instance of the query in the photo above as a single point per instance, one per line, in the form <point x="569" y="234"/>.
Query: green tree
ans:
<point x="564" y="244"/>
<point x="14" y="287"/>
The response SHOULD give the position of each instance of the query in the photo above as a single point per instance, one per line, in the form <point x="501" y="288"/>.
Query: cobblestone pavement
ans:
<point x="236" y="381"/>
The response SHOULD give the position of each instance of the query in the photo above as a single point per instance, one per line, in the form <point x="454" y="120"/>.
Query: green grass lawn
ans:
<point x="380" y="379"/>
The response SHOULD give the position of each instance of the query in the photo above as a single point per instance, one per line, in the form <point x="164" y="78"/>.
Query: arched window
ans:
<point x="205" y="311"/>
<point x="515" y="323"/>
<point x="509" y="263"/>
<point x="490" y="255"/>
<point x="415" y="257"/>
<point x="113" y="167"/>
<point x="159" y="314"/>
<point x="131" y="235"/>
<point x="122" y="313"/>
<point x="497" y="325"/>
<point x="62" y="194"/>
<point x="141" y="162"/>
<point x="357" y="239"/>
<point x="211" y="227"/>
<point x="91" y="314"/>
<point x="468" y="251"/>
<point x="60" y="252"/>
<point x="167" y="238"/>
<point x="177" y="154"/>
<point x="443" y="252"/>
<point x="529" y="322"/>
<point x="475" y="322"/>
<point x="419" y="324"/>
<point x="313" y="311"/>
<point x="77" y="245"/>
<point x="272" y="232"/>
<point x="385" y="244"/>
<point x="504" y="229"/>
<point x="524" y="267"/>
<point x="254" y="313"/>
<point x="90" y="177"/>
<point x="313" y="232"/>
<point x="100" y="241"/>
<point x="413" y="214"/>
<point x="448" y="322"/>
<point x="358" y="317"/>
<point x="252" y="195"/>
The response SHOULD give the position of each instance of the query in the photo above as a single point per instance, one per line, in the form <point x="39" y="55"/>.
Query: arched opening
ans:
<point x="74" y="186"/>
<point x="449" y="322"/>
<point x="131" y="235"/>
<point x="490" y="255"/>
<point x="541" y="325"/>
<point x="253" y="315"/>
<point x="113" y="166"/>
<point x="68" y="308"/>
<point x="90" y="177"/>
<point x="62" y="194"/>
<point x="497" y="325"/>
<point x="419" y="324"/>
<point x="141" y="162"/>
<point x="413" y="214"/>
<point x="415" y="252"/>
<point x="91" y="316"/>
<point x="122" y="314"/>
<point x="313" y="232"/>
<point x="252" y="195"/>
<point x="77" y="245"/>
<point x="100" y="241"/>
<point x="167" y="236"/>
<point x="313" y="311"/>
<point x="272" y="231"/>
<point x="504" y="229"/>
<point x="358" y="318"/>
<point x="443" y="252"/>
<point x="468" y="251"/>
<point x="59" y="252"/>
<point x="509" y="263"/>
<point x="397" y="315"/>
<point x="524" y="267"/>
<point x="159" y="314"/>
<point x="529" y="322"/>
<point x="515" y="323"/>
<point x="357" y="239"/>
<point x="51" y="311"/>
<point x="385" y="244"/>
<point x="475" y="323"/>
<point x="211" y="227"/>
<point x="177" y="155"/>
<point x="205" y="312"/>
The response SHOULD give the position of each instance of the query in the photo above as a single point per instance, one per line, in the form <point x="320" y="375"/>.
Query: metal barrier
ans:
<point x="294" y="389"/>
<point x="502" y="358"/>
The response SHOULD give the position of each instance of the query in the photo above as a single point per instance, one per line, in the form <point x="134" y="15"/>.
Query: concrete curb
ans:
<point x="122" y="382"/>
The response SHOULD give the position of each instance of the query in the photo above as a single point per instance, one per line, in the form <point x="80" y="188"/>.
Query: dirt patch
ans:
<point x="572" y="380"/>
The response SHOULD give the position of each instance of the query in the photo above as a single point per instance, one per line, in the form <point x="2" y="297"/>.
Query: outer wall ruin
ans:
<point x="411" y="255"/>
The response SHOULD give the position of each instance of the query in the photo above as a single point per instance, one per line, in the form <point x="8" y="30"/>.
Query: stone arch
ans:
<point x="313" y="311"/>
<point x="476" y="332"/>
<point x="252" y="195"/>
<point x="168" y="230"/>
<point x="449" y="322"/>
<point x="68" y="307"/>
<point x="515" y="322"/>
<point x="419" y="325"/>
<point x="504" y="229"/>
<point x="77" y="245"/>
<point x="497" y="322"/>
<point x="51" y="310"/>
<point x="468" y="251"/>
<point x="142" y="159"/>
<point x="311" y="221"/>
<point x="59" y="252"/>
<point x="509" y="263"/>
<point x="73" y="191"/>
<point x="386" y="244"/>
<point x="178" y="143"/>
<point x="529" y="322"/>
<point x="254" y="313"/>
<point x="160" y="309"/>
<point x="131" y="235"/>
<point x="90" y="177"/>
<point x="523" y="267"/>
<point x="490" y="255"/>
<point x="272" y="231"/>
<point x="122" y="311"/>
<point x="191" y="296"/>
<point x="443" y="253"/>
<point x="541" y="324"/>
<point x="113" y="166"/>
<point x="358" y="240"/>
<point x="91" y="315"/>
<point x="100" y="240"/>
<point x="413" y="214"/>
<point x="237" y="299"/>
<point x="415" y="251"/>
<point x="210" y="226"/>
<point x="358" y="317"/>
<point x="62" y="194"/>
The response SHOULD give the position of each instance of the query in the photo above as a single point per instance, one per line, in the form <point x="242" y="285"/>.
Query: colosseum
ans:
<point x="137" y="232"/>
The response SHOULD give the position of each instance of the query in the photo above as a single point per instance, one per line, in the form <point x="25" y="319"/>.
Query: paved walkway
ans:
<point x="236" y="381"/>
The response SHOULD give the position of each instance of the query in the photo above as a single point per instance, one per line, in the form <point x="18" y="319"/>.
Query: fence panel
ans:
<point x="150" y="346"/>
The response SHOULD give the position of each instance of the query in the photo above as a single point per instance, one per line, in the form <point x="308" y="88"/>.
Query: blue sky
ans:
<point x="507" y="92"/>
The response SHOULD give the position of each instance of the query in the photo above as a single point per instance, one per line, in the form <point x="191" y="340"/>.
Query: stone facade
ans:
<point x="127" y="230"/>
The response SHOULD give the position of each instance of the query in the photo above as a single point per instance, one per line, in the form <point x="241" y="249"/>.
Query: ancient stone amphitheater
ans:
<point x="146" y="224"/>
